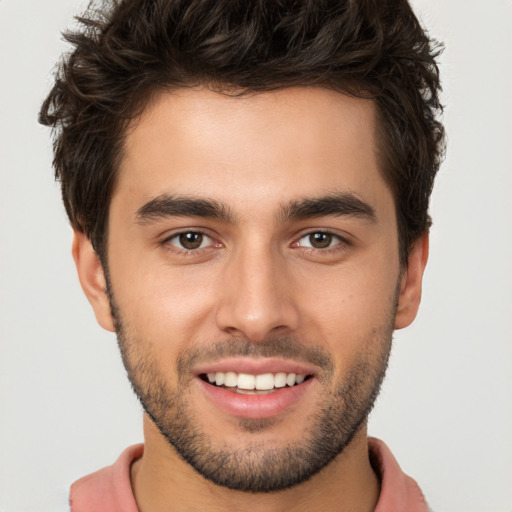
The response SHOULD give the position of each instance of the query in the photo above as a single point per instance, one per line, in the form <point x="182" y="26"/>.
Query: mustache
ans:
<point x="285" y="347"/>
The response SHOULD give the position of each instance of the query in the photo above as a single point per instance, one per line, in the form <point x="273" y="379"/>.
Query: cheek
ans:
<point x="165" y="306"/>
<point x="350" y="310"/>
<point x="350" y="295"/>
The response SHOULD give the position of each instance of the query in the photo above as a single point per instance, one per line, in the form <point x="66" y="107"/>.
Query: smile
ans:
<point x="246" y="383"/>
<point x="256" y="388"/>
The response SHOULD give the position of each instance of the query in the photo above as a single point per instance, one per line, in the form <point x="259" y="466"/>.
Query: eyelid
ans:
<point x="166" y="240"/>
<point x="342" y="239"/>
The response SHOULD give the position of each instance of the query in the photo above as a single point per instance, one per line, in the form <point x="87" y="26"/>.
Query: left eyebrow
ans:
<point x="175" y="206"/>
<point x="344" y="204"/>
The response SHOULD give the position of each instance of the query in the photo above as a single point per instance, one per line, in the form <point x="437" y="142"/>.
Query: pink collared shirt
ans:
<point x="109" y="489"/>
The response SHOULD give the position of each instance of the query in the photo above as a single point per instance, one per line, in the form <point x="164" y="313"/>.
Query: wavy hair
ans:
<point x="125" y="51"/>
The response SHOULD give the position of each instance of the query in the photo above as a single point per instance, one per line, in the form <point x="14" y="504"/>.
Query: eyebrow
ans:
<point x="175" y="206"/>
<point x="343" y="204"/>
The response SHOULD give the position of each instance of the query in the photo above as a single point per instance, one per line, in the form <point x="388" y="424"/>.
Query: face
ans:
<point x="254" y="278"/>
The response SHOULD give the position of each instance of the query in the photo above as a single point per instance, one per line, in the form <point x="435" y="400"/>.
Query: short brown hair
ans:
<point x="126" y="50"/>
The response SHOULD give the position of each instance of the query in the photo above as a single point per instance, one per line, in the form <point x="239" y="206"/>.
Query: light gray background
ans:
<point x="446" y="408"/>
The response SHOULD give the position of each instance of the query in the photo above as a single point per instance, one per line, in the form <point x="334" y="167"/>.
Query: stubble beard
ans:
<point x="257" y="468"/>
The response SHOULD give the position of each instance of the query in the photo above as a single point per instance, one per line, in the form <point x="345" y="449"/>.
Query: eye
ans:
<point x="190" y="240"/>
<point x="319" y="240"/>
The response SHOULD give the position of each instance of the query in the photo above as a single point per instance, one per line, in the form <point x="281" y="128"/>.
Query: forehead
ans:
<point x="253" y="150"/>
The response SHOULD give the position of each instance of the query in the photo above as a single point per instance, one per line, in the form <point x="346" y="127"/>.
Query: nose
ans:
<point x="256" y="298"/>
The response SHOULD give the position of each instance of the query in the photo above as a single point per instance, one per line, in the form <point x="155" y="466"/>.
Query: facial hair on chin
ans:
<point x="344" y="408"/>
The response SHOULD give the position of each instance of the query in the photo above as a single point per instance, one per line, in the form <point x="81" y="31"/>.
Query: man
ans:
<point x="248" y="184"/>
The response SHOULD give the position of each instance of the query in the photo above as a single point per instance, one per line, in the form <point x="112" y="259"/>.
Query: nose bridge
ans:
<point x="254" y="299"/>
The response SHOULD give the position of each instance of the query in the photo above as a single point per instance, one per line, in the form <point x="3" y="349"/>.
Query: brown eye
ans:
<point x="320" y="240"/>
<point x="190" y="240"/>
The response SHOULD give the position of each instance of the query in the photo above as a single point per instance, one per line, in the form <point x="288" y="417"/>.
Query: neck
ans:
<point x="162" y="480"/>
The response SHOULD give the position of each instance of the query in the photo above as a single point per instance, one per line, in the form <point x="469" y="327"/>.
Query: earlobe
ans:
<point x="92" y="279"/>
<point x="410" y="287"/>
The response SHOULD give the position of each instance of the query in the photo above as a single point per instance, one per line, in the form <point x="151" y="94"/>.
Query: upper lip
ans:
<point x="256" y="366"/>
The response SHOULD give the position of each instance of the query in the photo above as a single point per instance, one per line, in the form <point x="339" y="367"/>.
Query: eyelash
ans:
<point x="341" y="243"/>
<point x="167" y="242"/>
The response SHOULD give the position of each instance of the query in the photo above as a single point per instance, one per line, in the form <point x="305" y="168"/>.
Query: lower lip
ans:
<point x="255" y="406"/>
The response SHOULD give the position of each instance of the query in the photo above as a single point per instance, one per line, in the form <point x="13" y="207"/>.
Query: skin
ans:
<point x="255" y="275"/>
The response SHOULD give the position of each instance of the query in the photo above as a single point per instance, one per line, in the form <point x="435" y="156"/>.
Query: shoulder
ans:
<point x="109" y="489"/>
<point x="399" y="492"/>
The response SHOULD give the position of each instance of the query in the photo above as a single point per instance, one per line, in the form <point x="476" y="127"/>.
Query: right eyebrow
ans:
<point x="178" y="206"/>
<point x="341" y="204"/>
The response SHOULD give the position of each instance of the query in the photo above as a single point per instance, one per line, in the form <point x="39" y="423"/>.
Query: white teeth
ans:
<point x="262" y="382"/>
<point x="246" y="381"/>
<point x="280" y="380"/>
<point x="230" y="379"/>
<point x="265" y="381"/>
<point x="290" y="379"/>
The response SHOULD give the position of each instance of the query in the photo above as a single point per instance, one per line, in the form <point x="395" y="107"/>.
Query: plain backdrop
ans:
<point x="66" y="407"/>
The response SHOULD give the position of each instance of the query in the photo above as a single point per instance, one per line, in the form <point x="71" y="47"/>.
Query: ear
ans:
<point x="410" y="286"/>
<point x="92" y="279"/>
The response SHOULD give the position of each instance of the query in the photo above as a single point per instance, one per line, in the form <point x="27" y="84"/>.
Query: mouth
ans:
<point x="256" y="388"/>
<point x="248" y="384"/>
